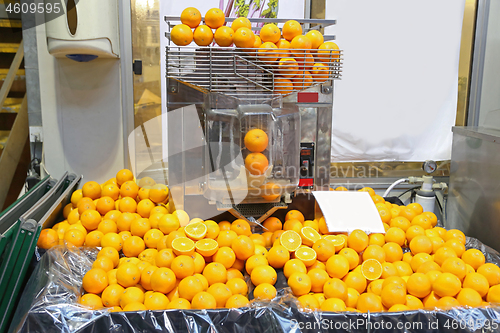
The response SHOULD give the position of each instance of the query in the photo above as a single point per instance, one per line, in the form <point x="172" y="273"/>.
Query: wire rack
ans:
<point x="252" y="74"/>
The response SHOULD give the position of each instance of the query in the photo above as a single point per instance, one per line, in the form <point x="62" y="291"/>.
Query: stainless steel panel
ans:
<point x="474" y="196"/>
<point x="323" y="149"/>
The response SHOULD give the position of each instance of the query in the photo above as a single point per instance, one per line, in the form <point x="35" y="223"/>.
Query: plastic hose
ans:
<point x="393" y="185"/>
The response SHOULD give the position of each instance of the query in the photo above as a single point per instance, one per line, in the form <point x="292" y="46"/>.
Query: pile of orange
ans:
<point x="154" y="257"/>
<point x="298" y="59"/>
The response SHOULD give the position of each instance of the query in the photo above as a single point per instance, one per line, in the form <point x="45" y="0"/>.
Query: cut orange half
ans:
<point x="206" y="247"/>
<point x="183" y="245"/>
<point x="309" y="236"/>
<point x="337" y="240"/>
<point x="195" y="230"/>
<point x="290" y="240"/>
<point x="371" y="269"/>
<point x="306" y="255"/>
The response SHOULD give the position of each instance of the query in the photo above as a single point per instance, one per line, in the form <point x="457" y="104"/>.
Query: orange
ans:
<point x="290" y="240"/>
<point x="195" y="231"/>
<point x="47" y="239"/>
<point x="398" y="308"/>
<point x="352" y="297"/>
<point x="270" y="33"/>
<point x="73" y="216"/>
<point x="203" y="300"/>
<point x="395" y="235"/>
<point x="316" y="38"/>
<point x="318" y="279"/>
<point x="338" y="240"/>
<point x="243" y="37"/>
<point x="301" y="284"/>
<point x="418" y="259"/>
<point x="469" y="297"/>
<point x="302" y="80"/>
<point x="75" y="237"/>
<point x="91" y="301"/>
<point x="133" y="246"/>
<point x="76" y="197"/>
<point x="395" y="211"/>
<point x="456" y="245"/>
<point x="112" y="240"/>
<point x="367" y="189"/>
<point x="413" y="302"/>
<point x="384" y="212"/>
<point x="416" y="207"/>
<point x="400" y="222"/>
<point x="214" y="273"/>
<point x="203" y="35"/>
<point x="144" y="207"/>
<point x="376" y="239"/>
<point x="256" y="163"/>
<point x="179" y="303"/>
<point x="143" y="193"/>
<point x="393" y="294"/>
<point x="123" y="175"/>
<point x="306" y="255"/>
<point x="374" y="252"/>
<point x="128" y="275"/>
<point x="421" y="244"/>
<point x="199" y="262"/>
<point x="428" y="266"/>
<point x="292" y="266"/>
<point x="446" y="284"/>
<point x="358" y="240"/>
<point x="146" y="274"/>
<point x="237" y="286"/>
<point x="181" y="35"/>
<point x="168" y="223"/>
<point x="477" y="282"/>
<point x="183" y="246"/>
<point x="124" y="221"/>
<point x="189" y="287"/>
<point x="107" y="226"/>
<point x="152" y="237"/>
<point x="369" y="302"/>
<point x="257" y="43"/>
<point x="256" y="140"/>
<point x="224" y="226"/>
<point x="422" y="221"/>
<point x="233" y="273"/>
<point x="389" y="269"/>
<point x="393" y="252"/>
<point x="263" y="274"/>
<point x="156" y="301"/>
<point x="408" y="213"/>
<point x="236" y="301"/>
<point x="351" y="256"/>
<point x="253" y="262"/>
<point x="337" y="266"/>
<point x="182" y="266"/>
<point x="413" y="231"/>
<point x="333" y="305"/>
<point x="90" y="219"/>
<point x="437" y="243"/>
<point x="264" y="291"/>
<point x="419" y="285"/>
<point x="308" y="302"/>
<point x="131" y="295"/>
<point x="93" y="238"/>
<point x="111" y="295"/>
<point x="95" y="281"/>
<point x="213" y="229"/>
<point x="221" y="293"/>
<point x="159" y="210"/>
<point x="473" y="257"/>
<point x="112" y="215"/>
<point x="191" y="17"/>
<point x="163" y="280"/>
<point x="447" y="302"/>
<point x="85" y="204"/>
<point x="278" y="256"/>
<point x="226" y="256"/>
<point x="267" y="52"/>
<point x="375" y="287"/>
<point x="291" y="29"/>
<point x="283" y="86"/>
<point x="285" y="45"/>
<point x="103" y="263"/>
<point x="321" y="72"/>
<point x="129" y="189"/>
<point x="91" y="190"/>
<point x="430" y="301"/>
<point x="293" y="224"/>
<point x="432" y="217"/>
<point x="158" y="193"/>
<point x="288" y="67"/>
<point x="275" y="237"/>
<point x="371" y="269"/>
<point x="139" y="227"/>
<point x="243" y="247"/>
<point x="444" y="253"/>
<point x="241" y="22"/>
<point x="241" y="227"/>
<point x="294" y="215"/>
<point x="394" y="280"/>
<point x="454" y="234"/>
<point x="270" y="191"/>
<point x="226" y="238"/>
<point x="355" y="280"/>
<point x="455" y="266"/>
<point x="127" y="205"/>
<point x="494" y="294"/>
<point x="491" y="272"/>
<point x="105" y="204"/>
<point x="207" y="247"/>
<point x="309" y="236"/>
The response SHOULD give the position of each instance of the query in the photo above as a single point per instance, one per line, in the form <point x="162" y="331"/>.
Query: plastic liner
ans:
<point x="49" y="304"/>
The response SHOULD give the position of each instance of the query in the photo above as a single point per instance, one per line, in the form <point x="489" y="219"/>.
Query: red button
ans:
<point x="307" y="97"/>
<point x="305" y="182"/>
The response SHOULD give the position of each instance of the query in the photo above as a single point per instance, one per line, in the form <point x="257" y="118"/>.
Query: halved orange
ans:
<point x="183" y="245"/>
<point x="290" y="240"/>
<point x="206" y="247"/>
<point x="337" y="240"/>
<point x="371" y="269"/>
<point x="309" y="236"/>
<point x="306" y="255"/>
<point x="195" y="230"/>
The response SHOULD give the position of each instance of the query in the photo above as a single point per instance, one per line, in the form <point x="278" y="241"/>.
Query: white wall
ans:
<point x="81" y="115"/>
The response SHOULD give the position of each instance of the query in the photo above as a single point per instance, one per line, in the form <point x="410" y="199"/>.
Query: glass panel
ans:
<point x="147" y="90"/>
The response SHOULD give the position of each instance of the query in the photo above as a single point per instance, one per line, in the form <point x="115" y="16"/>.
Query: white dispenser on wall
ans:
<point x="87" y="31"/>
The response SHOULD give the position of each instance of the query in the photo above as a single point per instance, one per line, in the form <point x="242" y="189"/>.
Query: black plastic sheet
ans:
<point x="49" y="304"/>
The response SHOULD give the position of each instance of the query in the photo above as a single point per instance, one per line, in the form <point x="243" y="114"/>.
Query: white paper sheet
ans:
<point x="397" y="98"/>
<point x="345" y="211"/>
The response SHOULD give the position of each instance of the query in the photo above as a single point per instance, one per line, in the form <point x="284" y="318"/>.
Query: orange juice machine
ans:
<point x="246" y="130"/>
